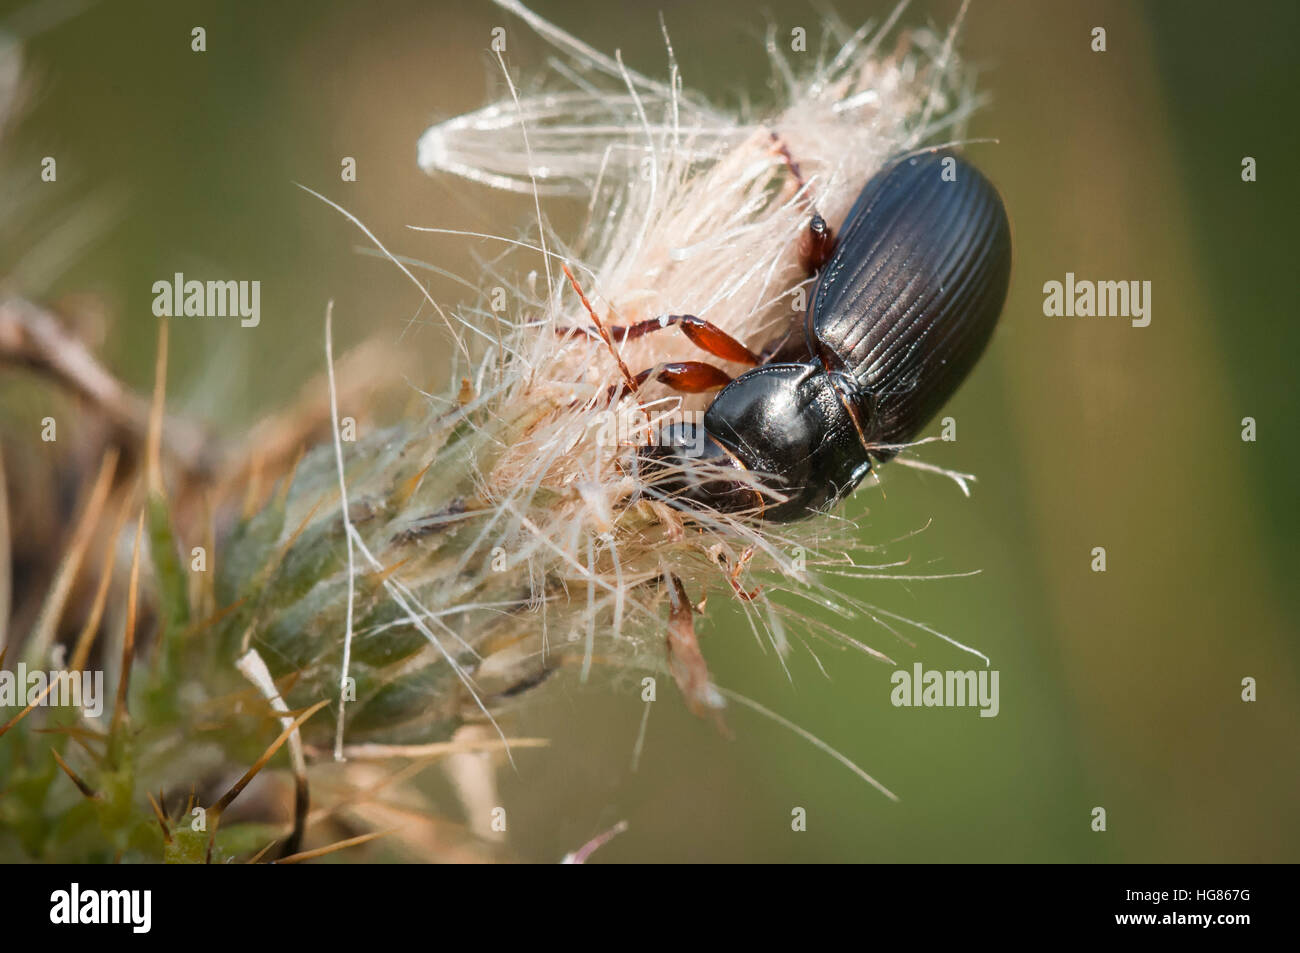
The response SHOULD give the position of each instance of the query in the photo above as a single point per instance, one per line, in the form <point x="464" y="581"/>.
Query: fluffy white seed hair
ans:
<point x="691" y="209"/>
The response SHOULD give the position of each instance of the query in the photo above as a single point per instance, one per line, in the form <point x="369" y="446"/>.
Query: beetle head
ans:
<point x="787" y="425"/>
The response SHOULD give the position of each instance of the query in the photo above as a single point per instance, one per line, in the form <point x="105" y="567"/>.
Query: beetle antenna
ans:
<point x="628" y="379"/>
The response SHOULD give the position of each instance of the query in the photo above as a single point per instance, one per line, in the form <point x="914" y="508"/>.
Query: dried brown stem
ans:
<point x="33" y="337"/>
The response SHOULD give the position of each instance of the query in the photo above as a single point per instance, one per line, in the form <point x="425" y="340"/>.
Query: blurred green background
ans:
<point x="1119" y="690"/>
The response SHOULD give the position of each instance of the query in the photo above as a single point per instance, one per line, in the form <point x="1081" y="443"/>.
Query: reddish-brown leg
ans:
<point x="693" y="377"/>
<point x="690" y="377"/>
<point x="703" y="334"/>
<point x="783" y="150"/>
<point x="818" y="243"/>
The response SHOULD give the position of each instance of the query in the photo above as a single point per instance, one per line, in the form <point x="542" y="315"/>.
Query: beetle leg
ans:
<point x="690" y="377"/>
<point x="709" y="337"/>
<point x="783" y="150"/>
<point x="703" y="334"/>
<point x="816" y="245"/>
<point x="693" y="377"/>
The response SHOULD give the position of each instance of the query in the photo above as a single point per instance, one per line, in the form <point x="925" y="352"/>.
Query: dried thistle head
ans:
<point x="514" y="530"/>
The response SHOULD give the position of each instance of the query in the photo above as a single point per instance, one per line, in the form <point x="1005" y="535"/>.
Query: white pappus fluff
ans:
<point x="691" y="209"/>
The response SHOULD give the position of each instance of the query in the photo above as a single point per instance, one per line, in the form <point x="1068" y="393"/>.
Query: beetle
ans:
<point x="902" y="311"/>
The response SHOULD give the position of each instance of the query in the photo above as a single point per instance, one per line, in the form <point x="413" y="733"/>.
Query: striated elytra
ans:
<point x="900" y="315"/>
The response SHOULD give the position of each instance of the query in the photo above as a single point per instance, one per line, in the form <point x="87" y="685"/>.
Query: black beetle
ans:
<point x="901" y="313"/>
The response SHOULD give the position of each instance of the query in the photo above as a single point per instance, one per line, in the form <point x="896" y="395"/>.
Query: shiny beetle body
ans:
<point x="901" y="313"/>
